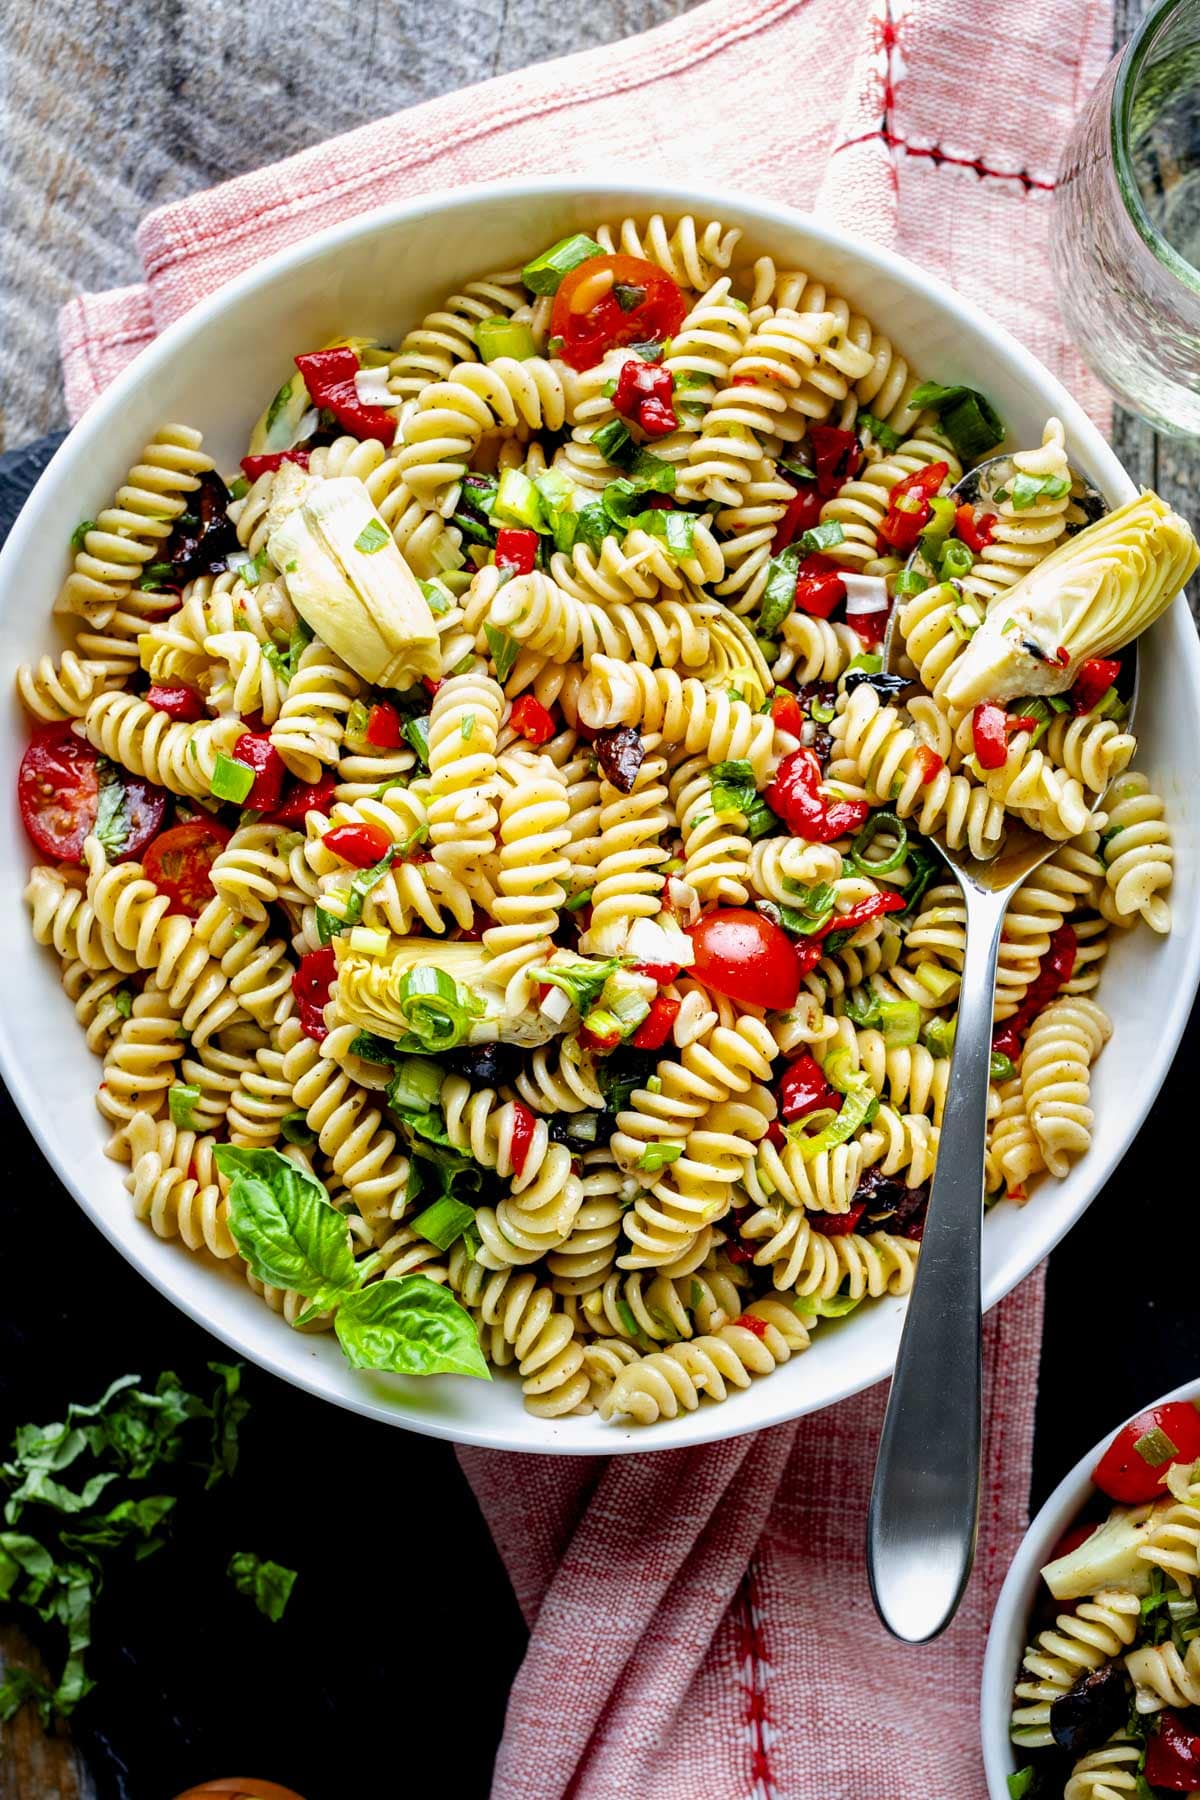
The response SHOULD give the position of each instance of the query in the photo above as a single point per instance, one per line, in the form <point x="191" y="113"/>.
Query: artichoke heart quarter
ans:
<point x="370" y="992"/>
<point x="348" y="581"/>
<point x="1093" y="595"/>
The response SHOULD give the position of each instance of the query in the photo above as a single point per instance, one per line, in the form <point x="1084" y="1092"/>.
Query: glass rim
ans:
<point x="1124" y="89"/>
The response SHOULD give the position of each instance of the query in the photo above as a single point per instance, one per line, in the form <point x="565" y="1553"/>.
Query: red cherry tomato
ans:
<point x="531" y="719"/>
<point x="254" y="466"/>
<point x="803" y="512"/>
<point x="746" y="957"/>
<point x="1128" y="1474"/>
<point x="58" y="790"/>
<point x="311" y="984"/>
<point x="803" y="1088"/>
<point x="362" y="845"/>
<point x="929" y="763"/>
<point x="655" y="1028"/>
<point x="256" y="751"/>
<point x="179" y="863"/>
<point x="177" y="701"/>
<point x="613" y="300"/>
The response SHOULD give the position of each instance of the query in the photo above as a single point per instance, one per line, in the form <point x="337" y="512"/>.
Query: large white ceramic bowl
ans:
<point x="1010" y="1632"/>
<point x="376" y="275"/>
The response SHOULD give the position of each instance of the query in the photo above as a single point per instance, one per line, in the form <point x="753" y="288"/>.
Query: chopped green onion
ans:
<point x="628" y="1321"/>
<point x="443" y="1223"/>
<point x="580" y="978"/>
<point x="580" y="899"/>
<point x="1111" y="706"/>
<point x="911" y="581"/>
<point x="504" y="337"/>
<point x="864" y="1011"/>
<point x="887" y="439"/>
<point x="858" y="849"/>
<point x="1156" y="1448"/>
<point x="545" y="272"/>
<point x="822" y="712"/>
<point x="436" y="1009"/>
<point x="901" y="1022"/>
<point x="939" y="981"/>
<point x="941" y="524"/>
<point x="836" y="1306"/>
<point x="417" y="1083"/>
<point x="1001" y="1067"/>
<point x="518" y="502"/>
<point x="123" y="1001"/>
<point x="869" y="661"/>
<point x="230" y="780"/>
<point x="80" y="533"/>
<point x="182" y="1100"/>
<point x="467" y="729"/>
<point x="239" y="489"/>
<point x="657" y="1156"/>
<point x="417" y="733"/>
<point x="654" y="1084"/>
<point x="938" y="1036"/>
<point x="1020" y="1782"/>
<point x="956" y="560"/>
<point x="436" y="598"/>
<point x="372" y="537"/>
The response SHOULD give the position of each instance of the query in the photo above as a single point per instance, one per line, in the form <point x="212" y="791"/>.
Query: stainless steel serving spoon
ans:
<point x="925" y="1498"/>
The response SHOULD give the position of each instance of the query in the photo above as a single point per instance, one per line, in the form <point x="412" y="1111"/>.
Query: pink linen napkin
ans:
<point x="700" y="1622"/>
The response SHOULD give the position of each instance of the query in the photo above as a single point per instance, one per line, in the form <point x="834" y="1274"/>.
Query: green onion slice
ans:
<point x="437" y="1011"/>
<point x="545" y="272"/>
<point x="504" y="337"/>
<point x="883" y="865"/>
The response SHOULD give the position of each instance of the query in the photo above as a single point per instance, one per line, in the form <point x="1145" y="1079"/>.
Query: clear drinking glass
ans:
<point x="1125" y="231"/>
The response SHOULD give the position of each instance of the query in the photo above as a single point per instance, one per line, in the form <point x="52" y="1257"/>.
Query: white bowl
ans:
<point x="376" y="275"/>
<point x="1010" y="1631"/>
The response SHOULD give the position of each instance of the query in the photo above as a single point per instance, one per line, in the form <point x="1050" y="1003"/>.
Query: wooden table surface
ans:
<point x="108" y="112"/>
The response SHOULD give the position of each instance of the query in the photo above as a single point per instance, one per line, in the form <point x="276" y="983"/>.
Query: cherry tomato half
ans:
<point x="58" y="789"/>
<point x="1128" y="1474"/>
<point x="179" y="863"/>
<point x="746" y="957"/>
<point x="613" y="300"/>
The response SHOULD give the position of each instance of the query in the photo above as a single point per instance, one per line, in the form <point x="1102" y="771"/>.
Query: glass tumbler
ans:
<point x="1125" y="229"/>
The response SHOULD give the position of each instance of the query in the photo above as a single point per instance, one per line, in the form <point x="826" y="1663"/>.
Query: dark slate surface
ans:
<point x="402" y="1636"/>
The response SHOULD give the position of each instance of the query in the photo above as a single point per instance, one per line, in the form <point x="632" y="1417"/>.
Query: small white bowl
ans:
<point x="1010" y="1631"/>
<point x="378" y="274"/>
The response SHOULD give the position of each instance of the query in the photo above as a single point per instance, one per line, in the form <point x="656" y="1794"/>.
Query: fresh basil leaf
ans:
<point x="283" y="1224"/>
<point x="268" y="1584"/>
<point x="229" y="1408"/>
<point x="112" y="811"/>
<point x="779" y="593"/>
<point x="411" y="1326"/>
<point x="505" y="651"/>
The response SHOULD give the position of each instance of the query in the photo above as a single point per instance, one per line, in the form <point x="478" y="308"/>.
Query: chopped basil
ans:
<point x="614" y="442"/>
<point x="800" y="470"/>
<point x="822" y="537"/>
<point x="628" y="297"/>
<point x="968" y="418"/>
<point x="373" y="536"/>
<point x="505" y="651"/>
<point x="779" y="593"/>
<point x="122" y="999"/>
<point x="1020" y="1782"/>
<point x="887" y="439"/>
<point x="80" y="533"/>
<point x="467" y="728"/>
<point x="1026" y="490"/>
<point x="182" y="1101"/>
<point x="1001" y="1067"/>
<point x="294" y="1128"/>
<point x="656" y="1156"/>
<point x="112" y="811"/>
<point x="268" y="1584"/>
<point x="417" y="733"/>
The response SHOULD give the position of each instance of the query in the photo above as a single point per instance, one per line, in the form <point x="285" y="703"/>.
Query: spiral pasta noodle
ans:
<point x="1093" y="1635"/>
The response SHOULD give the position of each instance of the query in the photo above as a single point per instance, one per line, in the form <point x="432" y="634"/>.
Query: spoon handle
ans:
<point x="925" y="1498"/>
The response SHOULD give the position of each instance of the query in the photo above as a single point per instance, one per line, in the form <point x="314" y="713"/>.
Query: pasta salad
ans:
<point x="1104" y="1699"/>
<point x="484" y="849"/>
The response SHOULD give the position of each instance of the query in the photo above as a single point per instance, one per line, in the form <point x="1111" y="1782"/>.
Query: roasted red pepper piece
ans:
<point x="655" y="1028"/>
<point x="811" y="948"/>
<point x="1173" y="1756"/>
<point x="931" y="764"/>
<point x="660" y="972"/>
<point x="600" y="1041"/>
<point x="516" y="549"/>
<point x="989" y="733"/>
<point x="1093" y="681"/>
<point x="363" y="845"/>
<point x="532" y="720"/>
<point x="257" y="752"/>
<point x="786" y="713"/>
<point x="837" y="457"/>
<point x="1054" y="971"/>
<point x="329" y="378"/>
<point x="803" y="1088"/>
<point x="795" y="795"/>
<point x="803" y="512"/>
<point x="523" y="1126"/>
<point x="254" y="466"/>
<point x="178" y="702"/>
<point x="975" y="529"/>
<point x="751" y="1322"/>
<point x="837" y="1224"/>
<point x="644" y="397"/>
<point x="303" y="798"/>
<point x="909" y="510"/>
<point x="311" y="984"/>
<point x="384" y="729"/>
<point x="819" y="586"/>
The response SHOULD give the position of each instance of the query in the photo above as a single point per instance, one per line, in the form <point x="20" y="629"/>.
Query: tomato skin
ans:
<point x="532" y="720"/>
<point x="591" y="326"/>
<point x="305" y="797"/>
<point x="655" y="1028"/>
<point x="256" y="751"/>
<point x="745" y="957"/>
<point x="516" y="549"/>
<point x="384" y="729"/>
<point x="1093" y="681"/>
<point x="909" y="510"/>
<point x="975" y="529"/>
<point x="1123" y="1474"/>
<point x="1173" y="1756"/>
<point x="179" y="861"/>
<point x="803" y="1088"/>
<point x="837" y="457"/>
<point x="177" y="701"/>
<point x="523" y="1127"/>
